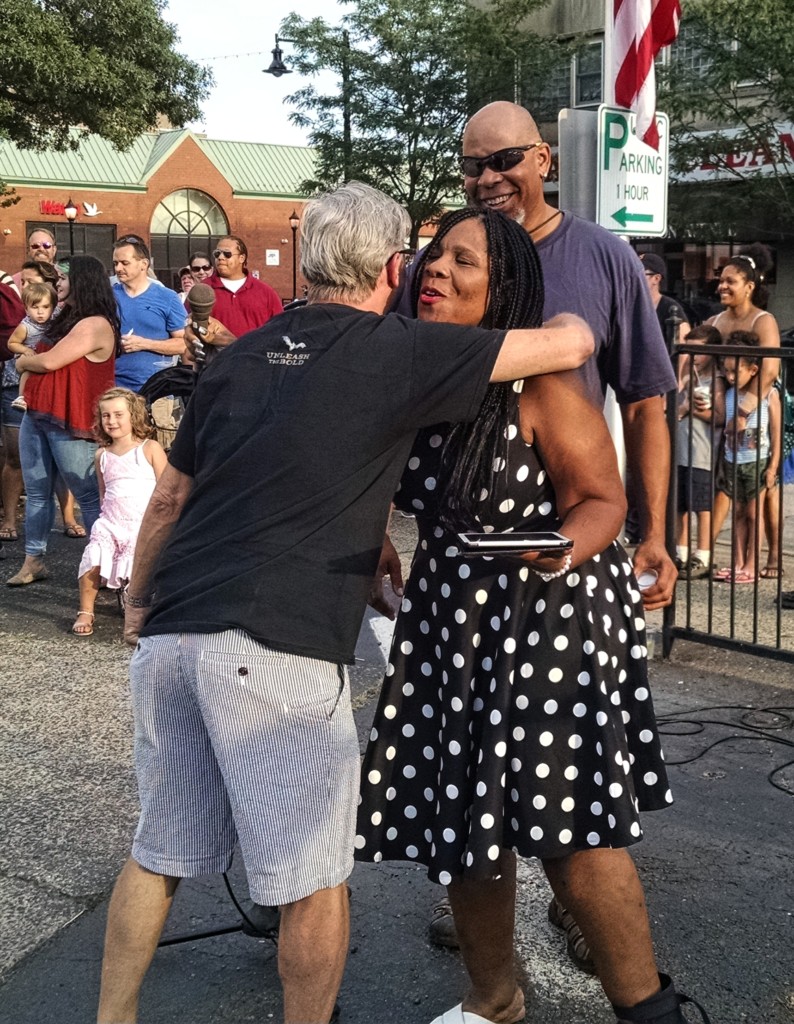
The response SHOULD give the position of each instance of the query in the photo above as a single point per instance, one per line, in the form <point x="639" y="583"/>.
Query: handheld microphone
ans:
<point x="201" y="299"/>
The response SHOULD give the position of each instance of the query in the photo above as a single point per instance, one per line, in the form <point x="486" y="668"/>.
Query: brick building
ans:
<point x="180" y="191"/>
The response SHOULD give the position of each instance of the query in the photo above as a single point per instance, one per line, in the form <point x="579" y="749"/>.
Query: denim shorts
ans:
<point x="10" y="417"/>
<point x="233" y="741"/>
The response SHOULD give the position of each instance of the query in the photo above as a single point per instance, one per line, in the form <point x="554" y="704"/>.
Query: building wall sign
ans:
<point x="52" y="207"/>
<point x="775" y="157"/>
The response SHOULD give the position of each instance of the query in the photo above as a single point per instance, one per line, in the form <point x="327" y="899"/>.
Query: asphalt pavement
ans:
<point x="717" y="865"/>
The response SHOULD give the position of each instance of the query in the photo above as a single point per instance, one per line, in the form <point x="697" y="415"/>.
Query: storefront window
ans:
<point x="184" y="222"/>
<point x="90" y="239"/>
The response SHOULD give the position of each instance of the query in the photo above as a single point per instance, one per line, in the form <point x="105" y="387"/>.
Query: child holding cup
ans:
<point x="698" y="431"/>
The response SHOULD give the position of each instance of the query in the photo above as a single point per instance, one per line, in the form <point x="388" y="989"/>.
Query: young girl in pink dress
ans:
<point x="128" y="465"/>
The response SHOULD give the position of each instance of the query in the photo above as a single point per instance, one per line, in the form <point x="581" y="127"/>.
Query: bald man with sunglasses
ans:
<point x="588" y="270"/>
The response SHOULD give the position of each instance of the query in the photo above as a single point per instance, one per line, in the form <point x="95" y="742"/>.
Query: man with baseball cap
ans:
<point x="666" y="308"/>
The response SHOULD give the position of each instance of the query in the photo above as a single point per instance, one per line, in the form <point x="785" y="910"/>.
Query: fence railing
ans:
<point x="724" y="607"/>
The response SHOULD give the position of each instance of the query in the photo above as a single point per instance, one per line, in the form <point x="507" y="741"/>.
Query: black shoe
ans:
<point x="662" y="1008"/>
<point x="787" y="599"/>
<point x="261" y="922"/>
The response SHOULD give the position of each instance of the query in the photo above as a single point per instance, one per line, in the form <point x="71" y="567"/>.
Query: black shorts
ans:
<point x="694" y="490"/>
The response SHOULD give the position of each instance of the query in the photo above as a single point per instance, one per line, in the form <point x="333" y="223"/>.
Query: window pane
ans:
<point x="588" y="75"/>
<point x="185" y="221"/>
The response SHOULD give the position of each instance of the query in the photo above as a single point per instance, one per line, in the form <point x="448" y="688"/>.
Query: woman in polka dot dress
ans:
<point x="515" y="716"/>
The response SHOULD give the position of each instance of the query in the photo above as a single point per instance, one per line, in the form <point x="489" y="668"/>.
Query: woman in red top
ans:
<point x="66" y="380"/>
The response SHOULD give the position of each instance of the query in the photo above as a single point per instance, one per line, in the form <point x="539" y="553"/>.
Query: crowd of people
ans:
<point x="516" y="717"/>
<point x="730" y="431"/>
<point x="72" y="333"/>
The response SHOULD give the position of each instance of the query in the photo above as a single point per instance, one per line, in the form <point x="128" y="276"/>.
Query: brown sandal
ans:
<point x="85" y="629"/>
<point x="578" y="950"/>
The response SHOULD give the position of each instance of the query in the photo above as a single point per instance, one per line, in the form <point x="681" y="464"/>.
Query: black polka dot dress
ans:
<point x="514" y="713"/>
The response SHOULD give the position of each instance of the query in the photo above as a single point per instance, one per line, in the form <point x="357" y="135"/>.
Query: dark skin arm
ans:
<point x="581" y="464"/>
<point x="648" y="454"/>
<point x="380" y="598"/>
<point x="217" y="336"/>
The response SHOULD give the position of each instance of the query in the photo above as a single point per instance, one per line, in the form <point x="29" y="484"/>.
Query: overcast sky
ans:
<point x="245" y="105"/>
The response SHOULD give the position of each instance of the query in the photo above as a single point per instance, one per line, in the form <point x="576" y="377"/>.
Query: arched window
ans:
<point x="184" y="222"/>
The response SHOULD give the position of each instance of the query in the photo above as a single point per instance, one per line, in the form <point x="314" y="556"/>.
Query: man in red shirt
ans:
<point x="242" y="301"/>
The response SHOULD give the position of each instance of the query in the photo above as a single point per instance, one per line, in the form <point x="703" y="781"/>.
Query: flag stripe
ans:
<point x="640" y="29"/>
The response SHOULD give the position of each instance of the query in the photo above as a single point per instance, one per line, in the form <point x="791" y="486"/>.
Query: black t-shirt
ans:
<point x="296" y="437"/>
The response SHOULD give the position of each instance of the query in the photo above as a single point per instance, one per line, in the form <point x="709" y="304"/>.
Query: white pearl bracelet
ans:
<point x="548" y="576"/>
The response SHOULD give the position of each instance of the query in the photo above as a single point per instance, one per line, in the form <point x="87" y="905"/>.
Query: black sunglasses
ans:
<point x="197" y="269"/>
<point x="501" y="160"/>
<point x="41" y="245"/>
<point x="226" y="253"/>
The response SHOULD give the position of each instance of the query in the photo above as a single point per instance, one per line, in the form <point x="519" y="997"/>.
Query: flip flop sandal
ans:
<point x="723" y="574"/>
<point x="86" y="629"/>
<point x="8" y="535"/>
<point x="769" y="572"/>
<point x="743" y="577"/>
<point x="76" y="532"/>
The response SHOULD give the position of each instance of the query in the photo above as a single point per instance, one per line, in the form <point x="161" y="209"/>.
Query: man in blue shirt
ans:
<point x="152" y="318"/>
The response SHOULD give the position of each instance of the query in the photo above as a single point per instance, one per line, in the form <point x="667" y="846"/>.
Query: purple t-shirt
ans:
<point x="590" y="272"/>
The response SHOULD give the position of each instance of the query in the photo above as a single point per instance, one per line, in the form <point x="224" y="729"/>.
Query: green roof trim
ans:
<point x="253" y="169"/>
<point x="261" y="169"/>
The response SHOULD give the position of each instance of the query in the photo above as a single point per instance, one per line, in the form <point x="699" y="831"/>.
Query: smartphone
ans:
<point x="513" y="543"/>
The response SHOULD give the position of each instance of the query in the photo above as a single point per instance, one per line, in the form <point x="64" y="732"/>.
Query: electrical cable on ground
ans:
<point x="781" y="718"/>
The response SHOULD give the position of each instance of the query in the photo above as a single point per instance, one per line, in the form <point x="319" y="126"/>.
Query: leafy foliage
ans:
<point x="107" y="66"/>
<point x="410" y="73"/>
<point x="729" y="83"/>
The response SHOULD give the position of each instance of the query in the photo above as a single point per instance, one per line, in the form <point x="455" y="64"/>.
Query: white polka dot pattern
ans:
<point x="515" y="714"/>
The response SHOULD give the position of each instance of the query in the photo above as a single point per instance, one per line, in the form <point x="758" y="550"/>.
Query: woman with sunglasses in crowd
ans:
<point x="515" y="716"/>
<point x="73" y="367"/>
<point x="200" y="267"/>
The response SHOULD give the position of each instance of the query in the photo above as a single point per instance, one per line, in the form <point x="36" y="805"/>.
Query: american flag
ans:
<point x="640" y="29"/>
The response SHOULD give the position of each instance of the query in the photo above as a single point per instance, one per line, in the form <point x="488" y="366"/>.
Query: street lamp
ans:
<point x="278" y="68"/>
<point x="294" y="221"/>
<point x="70" y="212"/>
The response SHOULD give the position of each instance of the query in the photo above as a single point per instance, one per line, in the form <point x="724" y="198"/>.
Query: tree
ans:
<point x="729" y="84"/>
<point x="105" y="66"/>
<point x="410" y="72"/>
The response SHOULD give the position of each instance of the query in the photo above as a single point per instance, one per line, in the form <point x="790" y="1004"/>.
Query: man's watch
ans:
<point x="139" y="602"/>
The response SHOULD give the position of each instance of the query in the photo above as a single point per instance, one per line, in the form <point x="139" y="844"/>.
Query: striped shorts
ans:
<point x="233" y="741"/>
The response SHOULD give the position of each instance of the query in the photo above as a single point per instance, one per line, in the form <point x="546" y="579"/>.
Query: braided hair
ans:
<point x="472" y="451"/>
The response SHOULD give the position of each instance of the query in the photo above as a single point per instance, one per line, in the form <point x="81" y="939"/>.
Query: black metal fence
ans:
<point x="725" y="607"/>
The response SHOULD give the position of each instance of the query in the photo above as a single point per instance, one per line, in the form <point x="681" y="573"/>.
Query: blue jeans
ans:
<point x="45" y="450"/>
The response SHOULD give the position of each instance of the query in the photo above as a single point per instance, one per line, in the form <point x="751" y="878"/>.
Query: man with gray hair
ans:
<point x="294" y="441"/>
